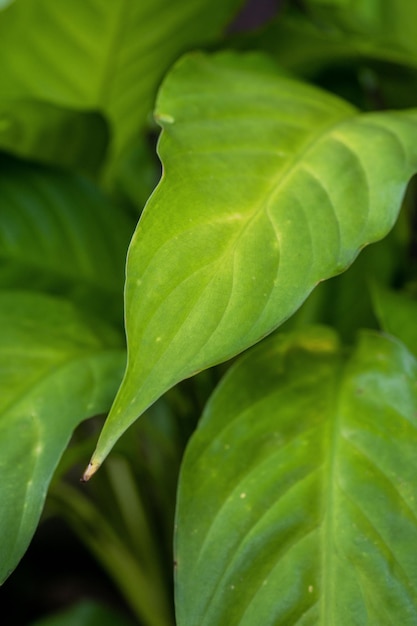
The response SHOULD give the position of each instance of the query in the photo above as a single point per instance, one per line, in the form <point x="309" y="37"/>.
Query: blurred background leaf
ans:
<point x="397" y="314"/>
<point x="367" y="61"/>
<point x="57" y="367"/>
<point x="100" y="56"/>
<point x="59" y="234"/>
<point x="53" y="135"/>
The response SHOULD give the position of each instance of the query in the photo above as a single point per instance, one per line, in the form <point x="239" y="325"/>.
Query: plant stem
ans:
<point x="146" y="595"/>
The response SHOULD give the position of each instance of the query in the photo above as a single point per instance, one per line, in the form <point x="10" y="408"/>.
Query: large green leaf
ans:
<point x="269" y="186"/>
<point x="56" y="368"/>
<point x="297" y="500"/>
<point x="59" y="234"/>
<point x="108" y="56"/>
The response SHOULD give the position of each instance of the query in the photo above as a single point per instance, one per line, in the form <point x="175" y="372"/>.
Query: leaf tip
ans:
<point x="91" y="469"/>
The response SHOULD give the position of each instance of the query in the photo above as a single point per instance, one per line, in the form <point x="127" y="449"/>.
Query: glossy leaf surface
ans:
<point x="56" y="368"/>
<point x="269" y="186"/>
<point x="57" y="234"/>
<point x="106" y="56"/>
<point x="297" y="500"/>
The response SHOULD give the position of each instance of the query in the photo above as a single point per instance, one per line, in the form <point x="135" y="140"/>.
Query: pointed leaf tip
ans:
<point x="91" y="469"/>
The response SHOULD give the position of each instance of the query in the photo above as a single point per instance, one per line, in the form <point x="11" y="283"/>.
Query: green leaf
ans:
<point x="85" y="614"/>
<point x="392" y="24"/>
<point x="105" y="56"/>
<point x="56" y="368"/>
<point x="58" y="234"/>
<point x="336" y="303"/>
<point x="40" y="130"/>
<point x="297" y="499"/>
<point x="397" y="314"/>
<point x="305" y="46"/>
<point x="363" y="66"/>
<point x="270" y="186"/>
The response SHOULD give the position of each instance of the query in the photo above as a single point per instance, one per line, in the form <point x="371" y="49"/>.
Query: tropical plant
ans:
<point x="285" y="151"/>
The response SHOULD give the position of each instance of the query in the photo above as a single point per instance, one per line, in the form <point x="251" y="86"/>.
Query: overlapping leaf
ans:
<point x="297" y="499"/>
<point x="57" y="234"/>
<point x="56" y="368"/>
<point x="269" y="186"/>
<point x="107" y="56"/>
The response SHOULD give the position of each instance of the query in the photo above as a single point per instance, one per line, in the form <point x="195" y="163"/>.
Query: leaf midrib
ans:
<point x="330" y="480"/>
<point x="317" y="137"/>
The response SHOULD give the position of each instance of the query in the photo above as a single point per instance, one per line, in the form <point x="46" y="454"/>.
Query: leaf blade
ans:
<point x="277" y="186"/>
<point x="294" y="504"/>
